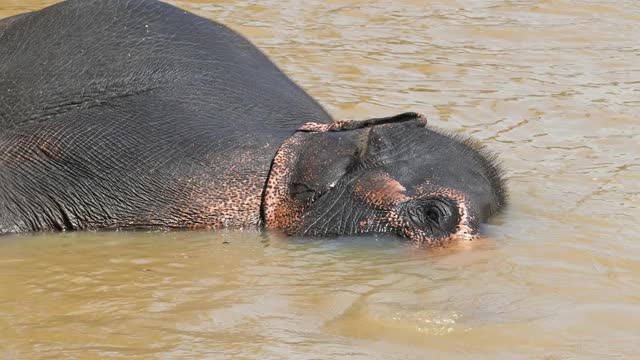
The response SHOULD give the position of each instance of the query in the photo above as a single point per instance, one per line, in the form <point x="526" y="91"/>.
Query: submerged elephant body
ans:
<point x="118" y="114"/>
<point x="135" y="113"/>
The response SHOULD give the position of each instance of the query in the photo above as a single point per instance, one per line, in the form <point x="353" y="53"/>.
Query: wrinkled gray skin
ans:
<point x="127" y="114"/>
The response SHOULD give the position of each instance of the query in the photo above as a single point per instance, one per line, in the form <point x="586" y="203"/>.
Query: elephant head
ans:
<point x="386" y="175"/>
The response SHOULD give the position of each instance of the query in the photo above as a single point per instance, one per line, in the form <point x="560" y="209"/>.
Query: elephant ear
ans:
<point x="312" y="161"/>
<point x="346" y="125"/>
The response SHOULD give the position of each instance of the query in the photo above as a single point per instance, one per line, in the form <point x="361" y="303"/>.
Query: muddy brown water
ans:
<point x="553" y="86"/>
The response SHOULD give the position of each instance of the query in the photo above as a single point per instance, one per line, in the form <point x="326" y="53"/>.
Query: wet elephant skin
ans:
<point x="129" y="114"/>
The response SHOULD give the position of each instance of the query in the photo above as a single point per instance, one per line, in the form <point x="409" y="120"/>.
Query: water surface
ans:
<point x="552" y="86"/>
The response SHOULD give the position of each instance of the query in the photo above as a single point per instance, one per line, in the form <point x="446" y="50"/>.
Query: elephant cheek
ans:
<point x="379" y="190"/>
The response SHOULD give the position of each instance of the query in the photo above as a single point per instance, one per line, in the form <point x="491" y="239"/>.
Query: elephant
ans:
<point x="122" y="114"/>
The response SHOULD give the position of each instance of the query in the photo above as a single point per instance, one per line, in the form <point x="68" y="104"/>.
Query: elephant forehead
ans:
<point x="422" y="148"/>
<point x="428" y="158"/>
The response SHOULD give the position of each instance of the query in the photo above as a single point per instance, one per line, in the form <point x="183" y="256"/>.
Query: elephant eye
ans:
<point x="433" y="214"/>
<point x="440" y="214"/>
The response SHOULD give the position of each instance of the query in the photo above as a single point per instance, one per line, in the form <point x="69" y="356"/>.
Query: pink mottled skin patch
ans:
<point x="380" y="190"/>
<point x="280" y="211"/>
<point x="230" y="198"/>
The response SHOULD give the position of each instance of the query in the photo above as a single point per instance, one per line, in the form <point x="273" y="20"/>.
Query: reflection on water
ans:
<point x="553" y="86"/>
